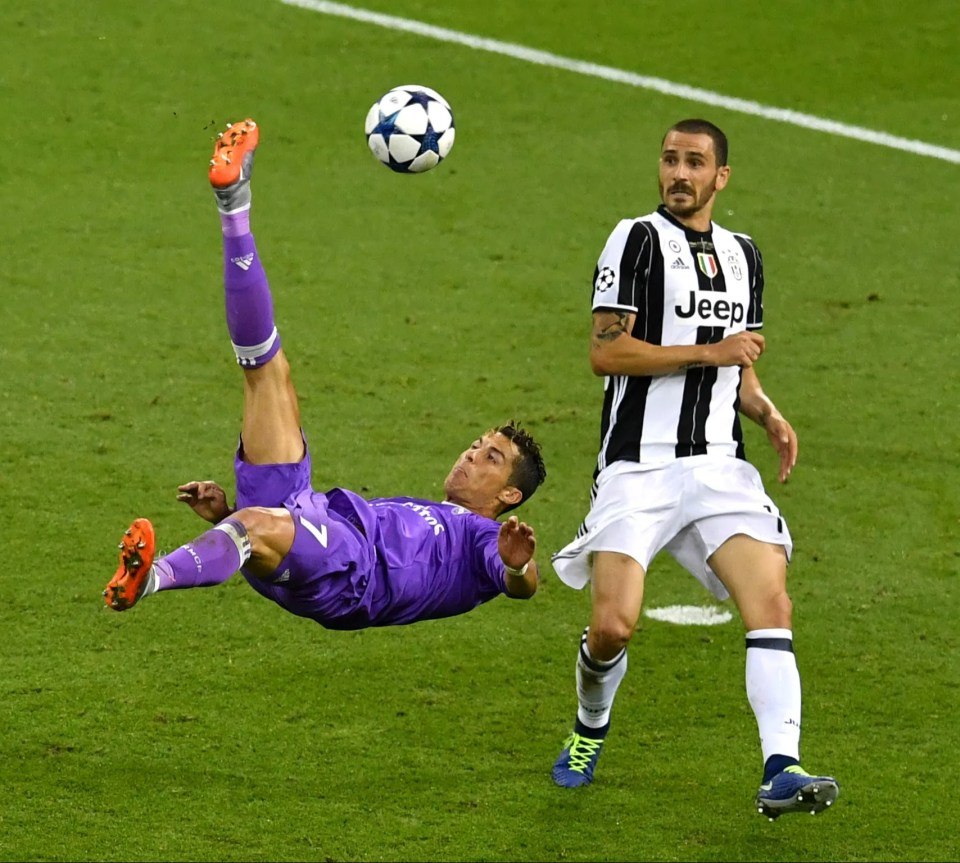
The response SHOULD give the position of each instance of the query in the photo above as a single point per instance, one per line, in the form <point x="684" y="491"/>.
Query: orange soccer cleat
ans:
<point x="136" y="561"/>
<point x="233" y="152"/>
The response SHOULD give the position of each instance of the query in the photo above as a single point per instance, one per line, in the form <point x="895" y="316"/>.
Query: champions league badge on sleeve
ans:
<point x="605" y="281"/>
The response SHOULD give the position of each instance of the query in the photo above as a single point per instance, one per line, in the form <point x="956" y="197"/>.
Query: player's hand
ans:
<point x="516" y="542"/>
<point x="740" y="349"/>
<point x="784" y="440"/>
<point x="206" y="499"/>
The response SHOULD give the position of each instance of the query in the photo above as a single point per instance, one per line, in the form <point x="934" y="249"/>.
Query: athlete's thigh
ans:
<point x="271" y="414"/>
<point x="755" y="574"/>
<point x="616" y="590"/>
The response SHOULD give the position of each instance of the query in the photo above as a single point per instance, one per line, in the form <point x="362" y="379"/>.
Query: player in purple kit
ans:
<point x="335" y="557"/>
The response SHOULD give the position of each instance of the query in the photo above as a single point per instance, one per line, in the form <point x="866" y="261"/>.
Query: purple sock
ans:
<point x="248" y="302"/>
<point x="210" y="559"/>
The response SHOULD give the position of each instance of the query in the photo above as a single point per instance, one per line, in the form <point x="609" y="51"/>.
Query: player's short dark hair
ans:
<point x="528" y="471"/>
<point x="703" y="127"/>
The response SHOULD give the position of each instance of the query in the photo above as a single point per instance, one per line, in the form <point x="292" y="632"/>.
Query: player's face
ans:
<point x="689" y="176"/>
<point x="480" y="476"/>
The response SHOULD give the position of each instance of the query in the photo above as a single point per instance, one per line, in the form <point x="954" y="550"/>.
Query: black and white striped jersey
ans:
<point x="685" y="288"/>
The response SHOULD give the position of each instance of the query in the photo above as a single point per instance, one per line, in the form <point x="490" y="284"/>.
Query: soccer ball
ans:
<point x="410" y="129"/>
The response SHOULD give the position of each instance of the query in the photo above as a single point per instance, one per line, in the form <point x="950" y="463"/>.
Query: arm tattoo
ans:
<point x="613" y="330"/>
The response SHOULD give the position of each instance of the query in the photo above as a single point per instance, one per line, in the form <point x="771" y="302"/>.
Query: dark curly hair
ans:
<point x="528" y="471"/>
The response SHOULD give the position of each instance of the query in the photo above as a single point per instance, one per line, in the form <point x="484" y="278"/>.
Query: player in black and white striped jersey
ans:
<point x="677" y="302"/>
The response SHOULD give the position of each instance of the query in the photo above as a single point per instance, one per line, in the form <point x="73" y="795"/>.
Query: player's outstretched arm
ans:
<point x="206" y="499"/>
<point x="516" y="544"/>
<point x="756" y="405"/>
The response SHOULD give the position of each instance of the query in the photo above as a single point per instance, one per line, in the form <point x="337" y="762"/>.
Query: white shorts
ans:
<point x="689" y="507"/>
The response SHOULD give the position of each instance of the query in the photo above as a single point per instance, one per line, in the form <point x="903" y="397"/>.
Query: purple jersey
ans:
<point x="357" y="563"/>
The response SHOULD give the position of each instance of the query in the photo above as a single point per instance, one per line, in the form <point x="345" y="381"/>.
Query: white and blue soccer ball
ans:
<point x="410" y="129"/>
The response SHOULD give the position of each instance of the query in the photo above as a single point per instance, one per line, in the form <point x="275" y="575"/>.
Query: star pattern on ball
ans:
<point x="386" y="126"/>
<point x="429" y="140"/>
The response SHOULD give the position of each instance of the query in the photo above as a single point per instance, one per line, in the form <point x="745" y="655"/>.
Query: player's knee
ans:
<point x="781" y="607"/>
<point x="269" y="529"/>
<point x="772" y="610"/>
<point x="608" y="636"/>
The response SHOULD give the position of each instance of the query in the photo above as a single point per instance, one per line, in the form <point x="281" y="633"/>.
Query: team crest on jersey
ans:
<point x="708" y="264"/>
<point x="734" y="264"/>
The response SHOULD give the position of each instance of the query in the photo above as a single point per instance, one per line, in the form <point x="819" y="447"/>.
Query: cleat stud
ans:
<point x="219" y="135"/>
<point x="141" y="544"/>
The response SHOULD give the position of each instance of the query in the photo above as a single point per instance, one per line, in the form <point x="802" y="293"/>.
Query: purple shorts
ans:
<point x="325" y="576"/>
<point x="271" y="484"/>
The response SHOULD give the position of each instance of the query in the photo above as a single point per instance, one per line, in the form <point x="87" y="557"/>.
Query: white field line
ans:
<point x="608" y="73"/>
<point x="689" y="615"/>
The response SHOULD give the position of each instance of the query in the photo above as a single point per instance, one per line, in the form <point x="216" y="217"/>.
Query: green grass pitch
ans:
<point x="417" y="311"/>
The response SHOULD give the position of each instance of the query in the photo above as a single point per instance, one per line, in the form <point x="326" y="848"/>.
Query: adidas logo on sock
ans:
<point x="244" y="261"/>
<point x="679" y="264"/>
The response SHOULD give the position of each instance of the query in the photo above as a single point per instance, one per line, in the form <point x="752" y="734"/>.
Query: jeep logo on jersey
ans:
<point x="711" y="309"/>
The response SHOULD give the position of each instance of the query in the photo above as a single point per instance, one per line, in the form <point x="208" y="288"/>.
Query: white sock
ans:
<point x="773" y="690"/>
<point x="597" y="684"/>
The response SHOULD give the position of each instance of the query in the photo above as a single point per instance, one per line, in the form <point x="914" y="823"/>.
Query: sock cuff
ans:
<point x="597" y="664"/>
<point x="250" y="356"/>
<point x="770" y="633"/>
<point x="770" y="639"/>
<point x="584" y="730"/>
<point x="238" y="533"/>
<point x="243" y="208"/>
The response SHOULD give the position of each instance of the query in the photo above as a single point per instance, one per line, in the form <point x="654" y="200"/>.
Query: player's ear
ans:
<point x="510" y="496"/>
<point x="723" y="175"/>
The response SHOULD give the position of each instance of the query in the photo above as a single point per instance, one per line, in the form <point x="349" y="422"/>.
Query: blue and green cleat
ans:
<point x="576" y="763"/>
<point x="795" y="790"/>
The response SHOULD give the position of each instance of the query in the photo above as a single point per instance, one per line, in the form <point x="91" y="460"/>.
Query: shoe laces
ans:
<point x="583" y="750"/>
